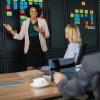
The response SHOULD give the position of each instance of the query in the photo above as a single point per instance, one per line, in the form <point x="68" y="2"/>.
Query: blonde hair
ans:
<point x="72" y="32"/>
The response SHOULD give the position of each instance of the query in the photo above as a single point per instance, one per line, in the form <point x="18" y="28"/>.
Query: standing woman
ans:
<point x="34" y="30"/>
<point x="72" y="34"/>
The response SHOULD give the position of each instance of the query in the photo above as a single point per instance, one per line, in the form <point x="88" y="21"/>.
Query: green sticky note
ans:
<point x="9" y="13"/>
<point x="30" y="0"/>
<point x="35" y="0"/>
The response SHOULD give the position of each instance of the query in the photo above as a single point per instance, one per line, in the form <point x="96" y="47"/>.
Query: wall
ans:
<point x="11" y="51"/>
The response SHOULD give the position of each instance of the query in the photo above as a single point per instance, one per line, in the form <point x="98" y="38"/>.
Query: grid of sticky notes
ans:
<point x="21" y="5"/>
<point x="77" y="15"/>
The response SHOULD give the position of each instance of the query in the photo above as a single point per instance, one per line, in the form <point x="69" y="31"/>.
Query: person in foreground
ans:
<point x="87" y="78"/>
<point x="34" y="30"/>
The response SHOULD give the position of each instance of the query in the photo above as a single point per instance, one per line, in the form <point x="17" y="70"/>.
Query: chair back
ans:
<point x="82" y="52"/>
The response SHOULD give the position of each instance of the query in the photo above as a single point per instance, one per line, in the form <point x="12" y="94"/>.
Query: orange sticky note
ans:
<point x="22" y="12"/>
<point x="86" y="22"/>
<point x="8" y="7"/>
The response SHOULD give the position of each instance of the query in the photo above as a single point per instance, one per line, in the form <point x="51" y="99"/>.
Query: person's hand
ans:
<point x="40" y="30"/>
<point x="58" y="77"/>
<point x="8" y="27"/>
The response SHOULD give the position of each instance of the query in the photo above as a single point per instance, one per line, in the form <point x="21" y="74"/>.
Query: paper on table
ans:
<point x="31" y="73"/>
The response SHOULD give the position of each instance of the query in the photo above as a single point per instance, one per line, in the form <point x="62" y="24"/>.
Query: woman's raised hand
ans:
<point x="9" y="28"/>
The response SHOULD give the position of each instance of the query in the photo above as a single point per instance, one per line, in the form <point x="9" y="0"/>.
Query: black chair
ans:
<point x="82" y="52"/>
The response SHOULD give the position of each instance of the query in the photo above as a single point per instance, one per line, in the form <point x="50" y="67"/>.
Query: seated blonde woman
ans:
<point x="72" y="34"/>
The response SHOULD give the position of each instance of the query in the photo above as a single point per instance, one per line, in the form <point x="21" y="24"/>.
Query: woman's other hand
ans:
<point x="40" y="30"/>
<point x="58" y="77"/>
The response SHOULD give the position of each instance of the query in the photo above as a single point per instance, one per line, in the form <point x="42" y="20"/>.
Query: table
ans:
<point x="19" y="88"/>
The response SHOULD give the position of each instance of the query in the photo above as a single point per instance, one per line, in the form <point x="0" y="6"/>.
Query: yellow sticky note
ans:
<point x="76" y="11"/>
<point x="91" y="12"/>
<point x="22" y="17"/>
<point x="83" y="3"/>
<point x="9" y="13"/>
<point x="40" y="0"/>
<point x="30" y="3"/>
<point x="71" y="15"/>
<point x="81" y="10"/>
<point x="30" y="0"/>
<point x="35" y="0"/>
<point x="86" y="11"/>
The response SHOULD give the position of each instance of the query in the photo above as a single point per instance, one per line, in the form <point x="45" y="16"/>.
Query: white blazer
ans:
<point x="24" y="34"/>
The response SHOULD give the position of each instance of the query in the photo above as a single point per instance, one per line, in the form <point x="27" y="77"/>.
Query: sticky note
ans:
<point x="81" y="10"/>
<point x="8" y="2"/>
<point x="9" y="13"/>
<point x="30" y="3"/>
<point x="86" y="22"/>
<point x="35" y="0"/>
<point x="40" y="4"/>
<point x="22" y="17"/>
<point x="83" y="3"/>
<point x="91" y="12"/>
<point x="21" y="7"/>
<point x="71" y="15"/>
<point x="40" y="0"/>
<point x="86" y="11"/>
<point x="86" y="15"/>
<point x="15" y="0"/>
<point x="30" y="0"/>
<point x="8" y="7"/>
<point x="22" y="11"/>
<point x="92" y="23"/>
<point x="77" y="15"/>
<point x="76" y="11"/>
<point x="15" y="5"/>
<point x="82" y="15"/>
<point x="86" y="26"/>
<point x="36" y="3"/>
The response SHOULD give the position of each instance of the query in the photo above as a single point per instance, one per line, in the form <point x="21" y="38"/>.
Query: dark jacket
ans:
<point x="88" y="77"/>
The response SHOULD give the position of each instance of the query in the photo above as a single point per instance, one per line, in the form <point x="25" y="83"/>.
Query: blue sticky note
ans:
<point x="15" y="5"/>
<point x="77" y="15"/>
<point x="25" y="3"/>
<point x="21" y="3"/>
<point x="8" y="2"/>
<point x="36" y="3"/>
<point x="40" y="3"/>
<point x="86" y="15"/>
<point x="81" y="15"/>
<point x="22" y="7"/>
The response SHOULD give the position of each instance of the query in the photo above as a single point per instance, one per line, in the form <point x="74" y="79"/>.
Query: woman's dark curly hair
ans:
<point x="37" y="7"/>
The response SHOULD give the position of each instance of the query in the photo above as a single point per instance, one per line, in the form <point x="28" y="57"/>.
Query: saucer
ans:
<point x="40" y="85"/>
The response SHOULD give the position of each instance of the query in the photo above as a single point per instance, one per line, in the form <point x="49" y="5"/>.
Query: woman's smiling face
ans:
<point x="33" y="13"/>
